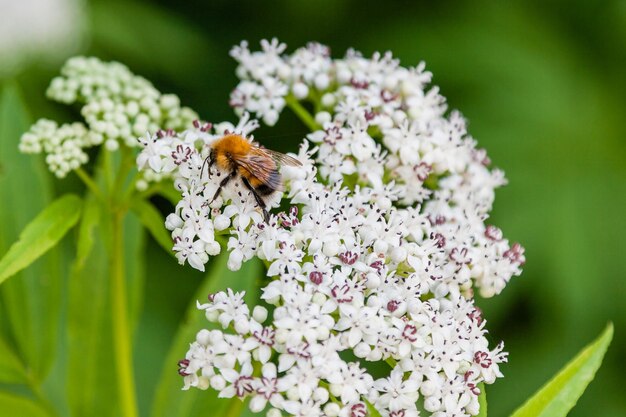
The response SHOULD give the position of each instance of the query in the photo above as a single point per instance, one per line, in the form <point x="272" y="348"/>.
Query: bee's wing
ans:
<point x="262" y="166"/>
<point x="282" y="158"/>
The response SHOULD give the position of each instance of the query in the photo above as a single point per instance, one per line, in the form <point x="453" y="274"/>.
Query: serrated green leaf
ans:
<point x="560" y="394"/>
<point x="152" y="219"/>
<point x="12" y="405"/>
<point x="170" y="400"/>
<point x="482" y="401"/>
<point x="41" y="234"/>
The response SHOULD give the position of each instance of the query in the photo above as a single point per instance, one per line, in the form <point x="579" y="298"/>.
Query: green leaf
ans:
<point x="85" y="241"/>
<point x="152" y="219"/>
<point x="15" y="405"/>
<point x="135" y="265"/>
<point x="41" y="234"/>
<point x="11" y="368"/>
<point x="30" y="301"/>
<point x="560" y="394"/>
<point x="91" y="381"/>
<point x="482" y="401"/>
<point x="170" y="401"/>
<point x="371" y="410"/>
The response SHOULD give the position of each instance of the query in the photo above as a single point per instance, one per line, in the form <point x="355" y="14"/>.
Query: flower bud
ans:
<point x="259" y="313"/>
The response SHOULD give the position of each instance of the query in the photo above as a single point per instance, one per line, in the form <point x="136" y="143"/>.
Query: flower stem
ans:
<point x="126" y="165"/>
<point x="107" y="171"/>
<point x="302" y="113"/>
<point x="119" y="317"/>
<point x="89" y="183"/>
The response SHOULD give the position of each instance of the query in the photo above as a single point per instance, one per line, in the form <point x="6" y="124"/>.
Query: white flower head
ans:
<point x="118" y="107"/>
<point x="376" y="256"/>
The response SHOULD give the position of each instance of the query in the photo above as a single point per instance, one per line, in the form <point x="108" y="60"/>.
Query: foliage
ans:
<point x="543" y="88"/>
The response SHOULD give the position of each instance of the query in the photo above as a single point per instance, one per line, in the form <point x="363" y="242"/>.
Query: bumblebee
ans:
<point x="256" y="166"/>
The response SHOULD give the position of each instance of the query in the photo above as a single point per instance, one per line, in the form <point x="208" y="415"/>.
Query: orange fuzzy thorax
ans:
<point x="228" y="149"/>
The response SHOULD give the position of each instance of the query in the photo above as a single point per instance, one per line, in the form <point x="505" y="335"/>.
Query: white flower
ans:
<point x="350" y="382"/>
<point x="189" y="250"/>
<point x="241" y="382"/>
<point x="309" y="408"/>
<point x="267" y="389"/>
<point x="229" y="306"/>
<point x="396" y="393"/>
<point x="377" y="255"/>
<point x="263" y="340"/>
<point x="360" y="324"/>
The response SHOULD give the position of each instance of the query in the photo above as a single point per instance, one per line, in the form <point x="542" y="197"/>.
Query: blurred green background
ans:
<point x="543" y="85"/>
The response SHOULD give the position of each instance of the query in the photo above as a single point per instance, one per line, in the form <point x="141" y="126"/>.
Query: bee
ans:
<point x="256" y="166"/>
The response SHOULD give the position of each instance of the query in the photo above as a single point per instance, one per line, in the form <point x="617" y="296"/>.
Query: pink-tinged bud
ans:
<point x="316" y="277"/>
<point x="515" y="254"/>
<point x="392" y="305"/>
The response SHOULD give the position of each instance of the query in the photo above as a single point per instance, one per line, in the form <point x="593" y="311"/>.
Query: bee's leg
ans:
<point x="259" y="200"/>
<point x="224" y="182"/>
<point x="210" y="161"/>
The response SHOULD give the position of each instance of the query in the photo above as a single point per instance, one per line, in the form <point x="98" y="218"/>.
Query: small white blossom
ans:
<point x="396" y="393"/>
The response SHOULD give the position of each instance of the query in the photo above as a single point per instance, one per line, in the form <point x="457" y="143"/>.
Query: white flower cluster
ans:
<point x="64" y="145"/>
<point x="375" y="260"/>
<point x="381" y="129"/>
<point x="118" y="106"/>
<point x="195" y="222"/>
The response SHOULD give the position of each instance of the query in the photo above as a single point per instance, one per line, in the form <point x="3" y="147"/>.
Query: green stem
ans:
<point x="302" y="113"/>
<point x="119" y="317"/>
<point x="107" y="171"/>
<point x="89" y="183"/>
<point x="391" y="362"/>
<point x="316" y="99"/>
<point x="334" y="399"/>
<point x="126" y="165"/>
